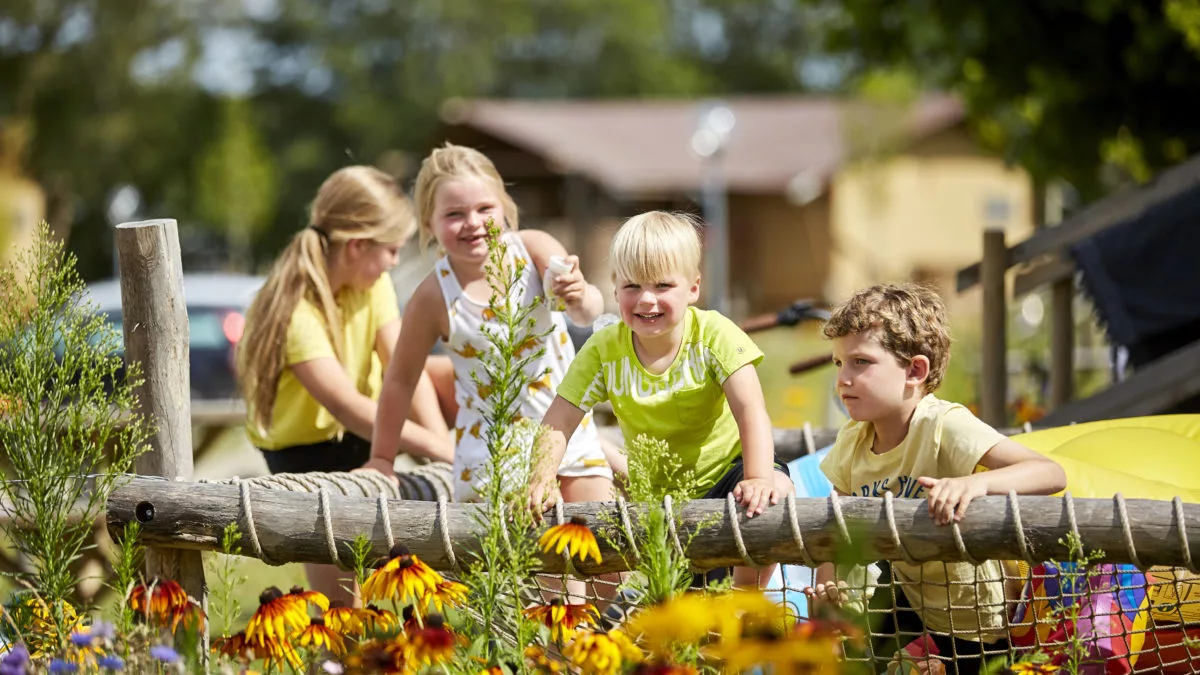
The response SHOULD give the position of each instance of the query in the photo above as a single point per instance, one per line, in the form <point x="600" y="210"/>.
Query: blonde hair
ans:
<point x="911" y="320"/>
<point x="453" y="162"/>
<point x="355" y="202"/>
<point x="654" y="245"/>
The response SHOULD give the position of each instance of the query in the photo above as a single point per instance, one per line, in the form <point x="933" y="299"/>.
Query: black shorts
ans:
<point x="722" y="490"/>
<point x="351" y="452"/>
<point x="735" y="475"/>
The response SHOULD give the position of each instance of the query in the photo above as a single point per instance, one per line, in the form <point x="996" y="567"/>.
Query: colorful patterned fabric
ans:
<point x="1105" y="606"/>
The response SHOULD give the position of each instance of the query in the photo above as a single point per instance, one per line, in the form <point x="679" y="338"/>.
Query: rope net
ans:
<point x="1104" y="617"/>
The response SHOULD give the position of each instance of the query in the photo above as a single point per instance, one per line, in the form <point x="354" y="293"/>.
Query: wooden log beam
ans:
<point x="291" y="527"/>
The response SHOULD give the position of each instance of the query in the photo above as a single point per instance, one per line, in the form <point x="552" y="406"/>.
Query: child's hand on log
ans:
<point x="380" y="465"/>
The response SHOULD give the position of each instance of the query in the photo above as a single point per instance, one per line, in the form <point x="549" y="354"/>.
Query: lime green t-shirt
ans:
<point x="298" y="419"/>
<point x="685" y="405"/>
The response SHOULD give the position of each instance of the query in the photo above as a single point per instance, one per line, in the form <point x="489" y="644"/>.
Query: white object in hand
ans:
<point x="557" y="265"/>
<point x="604" y="321"/>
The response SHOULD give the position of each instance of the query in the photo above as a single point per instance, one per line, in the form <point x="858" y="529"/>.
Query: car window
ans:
<point x="205" y="326"/>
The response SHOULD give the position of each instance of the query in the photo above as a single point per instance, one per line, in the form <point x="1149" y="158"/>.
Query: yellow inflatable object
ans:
<point x="1154" y="457"/>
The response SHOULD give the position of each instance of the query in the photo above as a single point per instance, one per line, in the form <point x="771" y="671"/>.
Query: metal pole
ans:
<point x="716" y="239"/>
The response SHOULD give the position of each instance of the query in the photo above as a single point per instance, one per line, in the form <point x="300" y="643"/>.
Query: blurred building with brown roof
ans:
<point x="824" y="195"/>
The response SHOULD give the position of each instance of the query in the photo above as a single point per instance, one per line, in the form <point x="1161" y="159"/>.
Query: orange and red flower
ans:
<point x="447" y="594"/>
<point x="575" y="536"/>
<point x="162" y="602"/>
<point x="404" y="578"/>
<point x="434" y="643"/>
<point x="378" y="620"/>
<point x="344" y="620"/>
<point x="319" y="636"/>
<point x="277" y="617"/>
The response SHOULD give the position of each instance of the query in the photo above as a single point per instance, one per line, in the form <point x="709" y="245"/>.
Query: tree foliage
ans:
<point x="1062" y="87"/>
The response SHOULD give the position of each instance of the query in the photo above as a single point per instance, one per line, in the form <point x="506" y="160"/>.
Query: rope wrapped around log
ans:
<point x="290" y="526"/>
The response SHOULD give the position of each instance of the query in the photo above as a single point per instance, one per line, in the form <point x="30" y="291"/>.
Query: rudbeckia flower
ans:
<point x="594" y="653"/>
<point x="685" y="619"/>
<point x="160" y="602"/>
<point x="538" y="661"/>
<point x="434" y="643"/>
<point x="575" y="536"/>
<point x="447" y="594"/>
<point x="316" y="598"/>
<point x="344" y="620"/>
<point x="379" y="656"/>
<point x="277" y="617"/>
<point x="784" y="656"/>
<point x="378" y="620"/>
<point x="404" y="578"/>
<point x="561" y="619"/>
<point x="236" y="647"/>
<point x="630" y="652"/>
<point x="319" y="636"/>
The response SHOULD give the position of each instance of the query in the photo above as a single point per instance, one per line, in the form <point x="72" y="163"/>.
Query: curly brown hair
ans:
<point x="911" y="320"/>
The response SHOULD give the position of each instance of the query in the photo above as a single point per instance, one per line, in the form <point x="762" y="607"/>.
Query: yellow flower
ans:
<point x="562" y="619"/>
<point x="630" y="652"/>
<point x="537" y="661"/>
<point x="319" y="636"/>
<point x="315" y="598"/>
<point x="785" y="656"/>
<point x="1030" y="668"/>
<point x="434" y="643"/>
<point x="594" y="653"/>
<point x="379" y="656"/>
<point x="343" y="620"/>
<point x="378" y="620"/>
<point x="575" y="536"/>
<point x="447" y="594"/>
<point x="686" y="619"/>
<point x="404" y="578"/>
<point x="276" y="618"/>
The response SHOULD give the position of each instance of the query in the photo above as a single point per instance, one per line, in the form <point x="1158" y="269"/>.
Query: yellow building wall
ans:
<point x="921" y="216"/>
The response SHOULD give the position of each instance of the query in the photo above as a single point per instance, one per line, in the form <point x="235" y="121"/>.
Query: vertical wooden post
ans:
<point x="994" y="393"/>
<point x="1062" y="317"/>
<point x="155" y="322"/>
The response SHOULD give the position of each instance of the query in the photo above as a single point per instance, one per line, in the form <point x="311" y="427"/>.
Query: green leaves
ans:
<point x="68" y="427"/>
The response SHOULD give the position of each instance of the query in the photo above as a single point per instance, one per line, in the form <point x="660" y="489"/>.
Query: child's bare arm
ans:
<point x="1012" y="466"/>
<point x="562" y="418"/>
<point x="417" y="336"/>
<point x="584" y="301"/>
<point x="745" y="396"/>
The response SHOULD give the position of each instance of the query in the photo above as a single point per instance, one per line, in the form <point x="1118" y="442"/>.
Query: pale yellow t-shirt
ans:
<point x="298" y="418"/>
<point x="944" y="440"/>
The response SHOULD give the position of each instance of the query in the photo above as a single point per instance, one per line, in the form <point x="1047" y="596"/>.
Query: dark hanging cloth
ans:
<point x="1143" y="276"/>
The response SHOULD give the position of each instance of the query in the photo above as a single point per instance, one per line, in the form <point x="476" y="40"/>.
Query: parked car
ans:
<point x="216" y="307"/>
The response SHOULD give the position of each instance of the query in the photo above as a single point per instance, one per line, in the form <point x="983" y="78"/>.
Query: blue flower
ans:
<point x="104" y="630"/>
<point x="14" y="662"/>
<point x="60" y="666"/>
<point x="83" y="637"/>
<point x="164" y="653"/>
<point x="111" y="662"/>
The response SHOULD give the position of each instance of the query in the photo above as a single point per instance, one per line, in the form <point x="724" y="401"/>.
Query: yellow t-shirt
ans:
<point x="298" y="418"/>
<point x="944" y="440"/>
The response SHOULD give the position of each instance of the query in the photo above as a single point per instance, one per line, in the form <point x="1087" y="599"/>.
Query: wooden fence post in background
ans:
<point x="993" y="397"/>
<point x="155" y="321"/>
